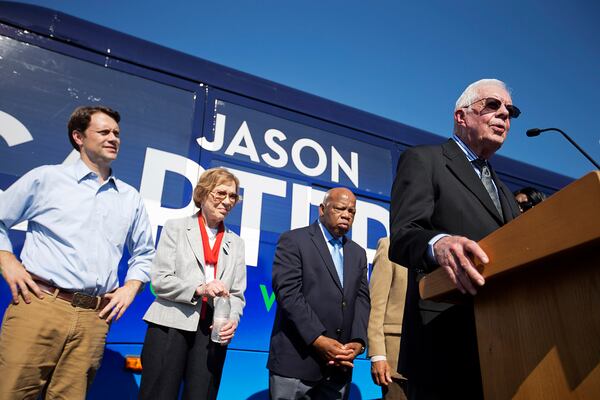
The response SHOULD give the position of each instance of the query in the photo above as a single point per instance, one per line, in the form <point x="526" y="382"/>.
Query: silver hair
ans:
<point x="472" y="92"/>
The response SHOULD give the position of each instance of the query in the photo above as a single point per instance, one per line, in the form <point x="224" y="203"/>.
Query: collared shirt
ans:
<point x="463" y="146"/>
<point x="328" y="236"/>
<point x="470" y="156"/>
<point x="338" y="262"/>
<point x="77" y="227"/>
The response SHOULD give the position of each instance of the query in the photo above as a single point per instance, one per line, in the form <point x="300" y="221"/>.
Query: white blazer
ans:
<point x="178" y="269"/>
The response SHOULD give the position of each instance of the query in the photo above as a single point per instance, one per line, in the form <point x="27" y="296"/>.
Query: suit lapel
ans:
<point x="347" y="259"/>
<point x="319" y="241"/>
<point x="460" y="167"/>
<point x="195" y="240"/>
<point x="224" y="254"/>
<point x="509" y="209"/>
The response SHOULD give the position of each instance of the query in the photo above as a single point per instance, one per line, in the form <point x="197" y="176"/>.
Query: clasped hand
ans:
<point x="214" y="288"/>
<point x="336" y="353"/>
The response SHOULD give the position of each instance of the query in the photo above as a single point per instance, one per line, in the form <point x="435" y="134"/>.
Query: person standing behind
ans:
<point x="198" y="259"/>
<point x="444" y="199"/>
<point x="388" y="292"/>
<point x="80" y="219"/>
<point x="528" y="197"/>
<point x="320" y="283"/>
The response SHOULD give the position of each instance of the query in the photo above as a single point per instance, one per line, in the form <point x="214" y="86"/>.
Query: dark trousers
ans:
<point x="171" y="356"/>
<point x="396" y="390"/>
<point x="286" y="388"/>
<point x="462" y="390"/>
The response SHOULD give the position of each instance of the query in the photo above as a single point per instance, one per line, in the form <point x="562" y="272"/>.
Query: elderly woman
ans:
<point x="197" y="259"/>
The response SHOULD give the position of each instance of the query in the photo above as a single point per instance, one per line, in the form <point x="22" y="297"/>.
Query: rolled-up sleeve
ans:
<point x="140" y="245"/>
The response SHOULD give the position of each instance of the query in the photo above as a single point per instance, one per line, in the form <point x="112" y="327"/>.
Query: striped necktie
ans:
<point x="486" y="179"/>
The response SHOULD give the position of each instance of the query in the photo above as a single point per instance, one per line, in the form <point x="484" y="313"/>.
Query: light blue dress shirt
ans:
<point x="328" y="238"/>
<point x="78" y="227"/>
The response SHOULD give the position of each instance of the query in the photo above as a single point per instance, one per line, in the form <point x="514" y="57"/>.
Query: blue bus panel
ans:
<point x="180" y="116"/>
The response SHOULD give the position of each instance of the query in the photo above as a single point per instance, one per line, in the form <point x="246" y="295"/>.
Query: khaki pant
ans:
<point x="49" y="347"/>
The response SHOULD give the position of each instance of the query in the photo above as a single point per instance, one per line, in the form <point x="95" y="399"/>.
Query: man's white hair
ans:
<point x="471" y="93"/>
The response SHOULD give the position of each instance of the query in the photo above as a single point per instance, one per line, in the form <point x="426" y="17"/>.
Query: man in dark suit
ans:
<point x="320" y="282"/>
<point x="444" y="199"/>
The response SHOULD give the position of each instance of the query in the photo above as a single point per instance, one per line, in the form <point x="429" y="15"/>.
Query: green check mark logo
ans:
<point x="269" y="299"/>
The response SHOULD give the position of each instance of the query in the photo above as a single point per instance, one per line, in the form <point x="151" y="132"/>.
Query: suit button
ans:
<point x="338" y="331"/>
<point x="343" y="304"/>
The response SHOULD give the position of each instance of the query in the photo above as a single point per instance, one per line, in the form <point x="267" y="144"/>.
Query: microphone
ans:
<point x="536" y="131"/>
<point x="533" y="132"/>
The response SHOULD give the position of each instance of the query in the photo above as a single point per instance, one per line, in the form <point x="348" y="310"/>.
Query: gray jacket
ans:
<point x="178" y="269"/>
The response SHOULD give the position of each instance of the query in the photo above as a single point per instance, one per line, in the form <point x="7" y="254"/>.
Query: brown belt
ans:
<point x="77" y="299"/>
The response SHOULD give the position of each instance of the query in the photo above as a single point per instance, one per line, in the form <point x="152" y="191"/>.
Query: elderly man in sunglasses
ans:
<point x="444" y="199"/>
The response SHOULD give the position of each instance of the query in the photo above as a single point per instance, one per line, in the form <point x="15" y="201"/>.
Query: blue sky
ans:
<point x="407" y="61"/>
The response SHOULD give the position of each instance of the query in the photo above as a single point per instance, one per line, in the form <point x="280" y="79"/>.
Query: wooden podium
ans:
<point x="538" y="314"/>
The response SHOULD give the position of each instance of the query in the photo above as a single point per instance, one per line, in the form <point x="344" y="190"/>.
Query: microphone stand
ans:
<point x="536" y="131"/>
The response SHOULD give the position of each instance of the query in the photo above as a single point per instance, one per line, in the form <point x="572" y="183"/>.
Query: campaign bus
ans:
<point x="180" y="116"/>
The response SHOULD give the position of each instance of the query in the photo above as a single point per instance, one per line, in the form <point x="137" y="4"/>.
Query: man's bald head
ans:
<point x="337" y="210"/>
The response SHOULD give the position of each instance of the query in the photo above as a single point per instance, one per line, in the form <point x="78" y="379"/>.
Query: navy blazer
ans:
<point x="436" y="190"/>
<point x="312" y="302"/>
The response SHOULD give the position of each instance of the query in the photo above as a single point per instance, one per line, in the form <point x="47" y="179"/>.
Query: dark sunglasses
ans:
<point x="492" y="103"/>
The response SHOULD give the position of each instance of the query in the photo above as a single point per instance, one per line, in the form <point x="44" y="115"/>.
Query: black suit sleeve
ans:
<point x="412" y="209"/>
<point x="287" y="284"/>
<point x="362" y="307"/>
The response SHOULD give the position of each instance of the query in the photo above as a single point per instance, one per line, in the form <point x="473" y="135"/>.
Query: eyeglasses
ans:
<point x="493" y="104"/>
<point x="221" y="195"/>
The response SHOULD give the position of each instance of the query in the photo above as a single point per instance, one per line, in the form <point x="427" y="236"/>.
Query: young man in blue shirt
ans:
<point x="65" y="290"/>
